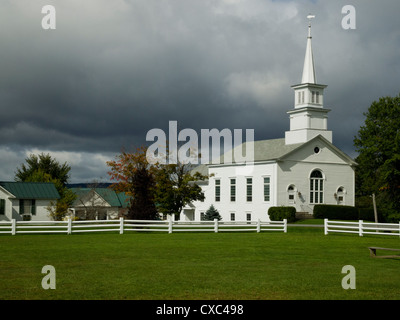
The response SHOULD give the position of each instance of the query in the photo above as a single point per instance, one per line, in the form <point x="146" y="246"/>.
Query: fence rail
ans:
<point x="360" y="227"/>
<point x="123" y="225"/>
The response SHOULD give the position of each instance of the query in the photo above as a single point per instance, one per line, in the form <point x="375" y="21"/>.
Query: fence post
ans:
<point x="325" y="226"/>
<point x="216" y="225"/>
<point x="258" y="225"/>
<point x="285" y="225"/>
<point x="13" y="227"/>
<point x="121" y="225"/>
<point x="170" y="225"/>
<point x="360" y="223"/>
<point x="69" y="225"/>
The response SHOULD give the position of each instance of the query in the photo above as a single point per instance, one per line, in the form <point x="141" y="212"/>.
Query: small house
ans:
<point x="26" y="200"/>
<point x="99" y="203"/>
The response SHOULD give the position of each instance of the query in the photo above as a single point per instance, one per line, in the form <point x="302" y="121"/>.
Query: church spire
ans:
<point x="309" y="118"/>
<point x="308" y="69"/>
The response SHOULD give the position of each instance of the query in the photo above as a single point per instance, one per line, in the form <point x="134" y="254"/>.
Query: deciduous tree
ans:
<point x="43" y="164"/>
<point x="378" y="144"/>
<point x="44" y="168"/>
<point x="154" y="188"/>
<point x="134" y="175"/>
<point x="177" y="187"/>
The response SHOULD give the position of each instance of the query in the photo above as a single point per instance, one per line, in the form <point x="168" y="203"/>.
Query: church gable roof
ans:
<point x="274" y="149"/>
<point x="320" y="140"/>
<point x="264" y="150"/>
<point x="277" y="150"/>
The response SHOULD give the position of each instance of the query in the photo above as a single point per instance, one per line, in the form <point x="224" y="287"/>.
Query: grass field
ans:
<point x="301" y="264"/>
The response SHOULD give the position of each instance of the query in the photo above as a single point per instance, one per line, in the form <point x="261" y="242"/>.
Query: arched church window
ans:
<point x="316" y="187"/>
<point x="340" y="195"/>
<point x="291" y="194"/>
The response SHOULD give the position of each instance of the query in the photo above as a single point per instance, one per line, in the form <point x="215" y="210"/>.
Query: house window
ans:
<point x="217" y="190"/>
<point x="233" y="189"/>
<point x="27" y="207"/>
<point x="248" y="216"/>
<point x="202" y="215"/>
<point x="316" y="187"/>
<point x="267" y="188"/>
<point x="232" y="216"/>
<point x="2" y="206"/>
<point x="249" y="189"/>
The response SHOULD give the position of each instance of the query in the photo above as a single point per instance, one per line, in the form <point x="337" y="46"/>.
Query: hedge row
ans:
<point x="322" y="211"/>
<point x="327" y="211"/>
<point x="336" y="212"/>
<point x="280" y="213"/>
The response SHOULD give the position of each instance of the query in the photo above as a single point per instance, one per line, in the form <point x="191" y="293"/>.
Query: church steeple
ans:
<point x="308" y="118"/>
<point x="308" y="69"/>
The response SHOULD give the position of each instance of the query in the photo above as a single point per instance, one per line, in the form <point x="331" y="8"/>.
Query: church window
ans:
<point x="232" y="216"/>
<point x="340" y="195"/>
<point x="2" y="206"/>
<point x="267" y="188"/>
<point x="291" y="193"/>
<point x="249" y="189"/>
<point x="302" y="97"/>
<point x="233" y="189"/>
<point x="317" y="97"/>
<point x="217" y="190"/>
<point x="248" y="216"/>
<point x="316" y="187"/>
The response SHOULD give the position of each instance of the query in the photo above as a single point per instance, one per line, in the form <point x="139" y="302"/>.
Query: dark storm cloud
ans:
<point x="113" y="70"/>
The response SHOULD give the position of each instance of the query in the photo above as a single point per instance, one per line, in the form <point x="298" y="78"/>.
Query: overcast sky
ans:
<point x="113" y="70"/>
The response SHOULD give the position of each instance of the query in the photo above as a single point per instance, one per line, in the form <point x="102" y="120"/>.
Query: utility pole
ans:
<point x="375" y="213"/>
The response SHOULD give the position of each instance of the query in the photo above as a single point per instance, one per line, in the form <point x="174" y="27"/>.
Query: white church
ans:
<point x="301" y="170"/>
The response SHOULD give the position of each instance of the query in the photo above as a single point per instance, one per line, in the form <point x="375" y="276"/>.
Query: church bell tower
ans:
<point x="308" y="118"/>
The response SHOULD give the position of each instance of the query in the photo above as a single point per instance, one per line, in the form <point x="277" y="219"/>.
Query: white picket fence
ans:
<point x="360" y="227"/>
<point x="122" y="225"/>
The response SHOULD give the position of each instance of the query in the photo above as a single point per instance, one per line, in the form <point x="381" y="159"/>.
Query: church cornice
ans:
<point x="309" y="85"/>
<point x="308" y="108"/>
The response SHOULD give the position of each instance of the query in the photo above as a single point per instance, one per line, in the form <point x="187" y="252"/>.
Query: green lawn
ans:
<point x="301" y="264"/>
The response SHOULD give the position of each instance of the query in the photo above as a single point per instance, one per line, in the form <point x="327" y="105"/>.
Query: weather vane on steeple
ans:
<point x="310" y="17"/>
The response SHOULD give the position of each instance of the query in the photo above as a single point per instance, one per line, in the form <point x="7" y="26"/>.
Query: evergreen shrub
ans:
<point x="212" y="214"/>
<point x="280" y="213"/>
<point x="329" y="211"/>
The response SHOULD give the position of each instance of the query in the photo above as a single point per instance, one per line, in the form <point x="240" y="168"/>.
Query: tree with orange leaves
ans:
<point x="134" y="175"/>
<point x="154" y="188"/>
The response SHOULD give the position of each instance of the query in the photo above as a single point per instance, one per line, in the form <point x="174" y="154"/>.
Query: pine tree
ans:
<point x="212" y="214"/>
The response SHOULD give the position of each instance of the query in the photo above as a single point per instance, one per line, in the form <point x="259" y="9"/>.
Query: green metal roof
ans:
<point x="31" y="190"/>
<point x="114" y="199"/>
